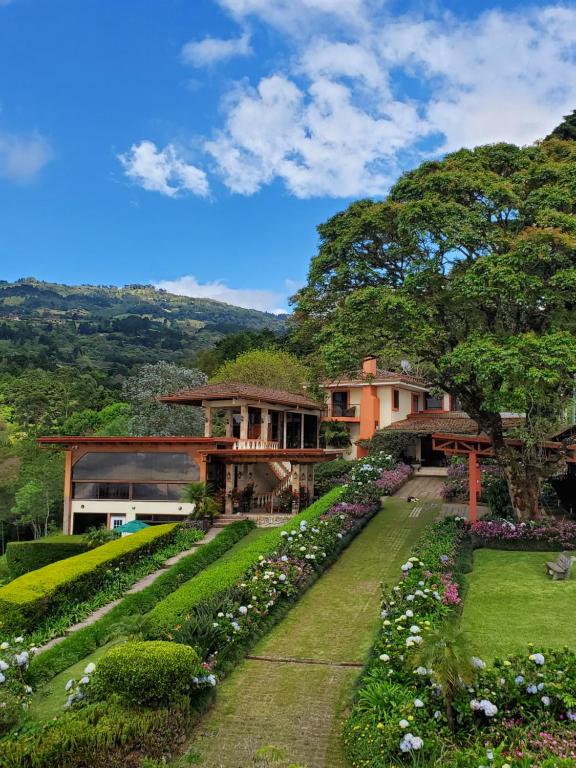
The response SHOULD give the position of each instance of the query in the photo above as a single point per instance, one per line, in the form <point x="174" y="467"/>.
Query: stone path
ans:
<point x="138" y="586"/>
<point x="293" y="690"/>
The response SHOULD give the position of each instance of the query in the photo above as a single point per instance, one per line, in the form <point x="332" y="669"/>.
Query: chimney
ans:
<point x="369" y="366"/>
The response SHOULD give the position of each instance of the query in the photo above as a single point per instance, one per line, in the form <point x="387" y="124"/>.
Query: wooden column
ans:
<point x="228" y="506"/>
<point x="296" y="481"/>
<point x="473" y="485"/>
<point x="67" y="522"/>
<point x="301" y="430"/>
<point x="244" y="422"/>
<point x="265" y="422"/>
<point x="207" y="421"/>
<point x="284" y="420"/>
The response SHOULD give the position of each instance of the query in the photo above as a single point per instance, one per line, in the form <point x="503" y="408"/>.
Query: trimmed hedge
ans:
<point x="148" y="673"/>
<point x="162" y="620"/>
<point x="78" y="645"/>
<point x="40" y="593"/>
<point x="25" y="556"/>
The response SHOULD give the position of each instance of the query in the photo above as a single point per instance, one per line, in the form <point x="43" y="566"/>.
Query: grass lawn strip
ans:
<point x="508" y="594"/>
<point x="297" y="707"/>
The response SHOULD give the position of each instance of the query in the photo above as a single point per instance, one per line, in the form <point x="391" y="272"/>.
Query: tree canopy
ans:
<point x="469" y="267"/>
<point x="265" y="368"/>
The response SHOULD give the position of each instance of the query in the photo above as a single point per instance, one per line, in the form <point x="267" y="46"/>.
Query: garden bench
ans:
<point x="562" y="568"/>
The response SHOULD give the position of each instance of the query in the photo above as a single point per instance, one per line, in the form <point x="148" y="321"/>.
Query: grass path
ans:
<point x="297" y="706"/>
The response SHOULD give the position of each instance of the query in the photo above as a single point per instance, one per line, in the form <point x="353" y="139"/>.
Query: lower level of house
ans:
<point x="112" y="481"/>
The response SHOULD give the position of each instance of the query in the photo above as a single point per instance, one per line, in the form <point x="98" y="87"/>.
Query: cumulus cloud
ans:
<point x="265" y="301"/>
<point x="335" y="122"/>
<point x="163" y="170"/>
<point x="23" y="157"/>
<point x="297" y="16"/>
<point x="212" y="50"/>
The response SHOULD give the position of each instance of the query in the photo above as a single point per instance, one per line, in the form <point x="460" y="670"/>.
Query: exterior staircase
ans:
<point x="223" y="520"/>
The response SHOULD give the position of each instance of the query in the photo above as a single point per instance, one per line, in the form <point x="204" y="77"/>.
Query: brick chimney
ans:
<point x="369" y="366"/>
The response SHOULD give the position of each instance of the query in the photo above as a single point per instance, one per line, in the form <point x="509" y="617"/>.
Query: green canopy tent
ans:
<point x="132" y="527"/>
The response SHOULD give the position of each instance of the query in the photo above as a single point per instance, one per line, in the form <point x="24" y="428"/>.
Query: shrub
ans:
<point x="331" y="474"/>
<point x="35" y="595"/>
<point x="392" y="442"/>
<point x="544" y="534"/>
<point x="103" y="735"/>
<point x="162" y="620"/>
<point x="25" y="556"/>
<point x="81" y="643"/>
<point x="148" y="673"/>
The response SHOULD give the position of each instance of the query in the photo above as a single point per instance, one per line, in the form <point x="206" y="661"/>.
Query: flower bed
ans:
<point x="392" y="480"/>
<point x="545" y="534"/>
<point x="424" y="700"/>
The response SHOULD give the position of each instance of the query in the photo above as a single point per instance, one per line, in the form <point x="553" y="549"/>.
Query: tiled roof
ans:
<point x="454" y="422"/>
<point x="382" y="376"/>
<point x="229" y="391"/>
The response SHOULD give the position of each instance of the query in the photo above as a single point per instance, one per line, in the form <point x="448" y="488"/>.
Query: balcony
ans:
<point x="344" y="413"/>
<point x="256" y="445"/>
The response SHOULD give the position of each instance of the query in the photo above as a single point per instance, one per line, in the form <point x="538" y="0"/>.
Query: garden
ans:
<point x="474" y="663"/>
<point x="146" y="670"/>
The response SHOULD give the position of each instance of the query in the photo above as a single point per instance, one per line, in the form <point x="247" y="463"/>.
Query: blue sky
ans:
<point x="196" y="144"/>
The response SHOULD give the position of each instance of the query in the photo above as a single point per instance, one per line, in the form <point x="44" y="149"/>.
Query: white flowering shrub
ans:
<point x="15" y="693"/>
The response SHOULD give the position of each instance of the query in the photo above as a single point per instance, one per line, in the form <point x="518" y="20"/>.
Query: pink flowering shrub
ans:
<point x="391" y="479"/>
<point x="549" y="531"/>
<point x="451" y="594"/>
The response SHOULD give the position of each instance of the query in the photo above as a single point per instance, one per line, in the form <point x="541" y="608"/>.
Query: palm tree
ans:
<point x="204" y="504"/>
<point x="447" y="654"/>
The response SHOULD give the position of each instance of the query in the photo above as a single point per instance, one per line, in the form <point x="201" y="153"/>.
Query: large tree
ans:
<point x="265" y="368"/>
<point x="148" y="416"/>
<point x="469" y="266"/>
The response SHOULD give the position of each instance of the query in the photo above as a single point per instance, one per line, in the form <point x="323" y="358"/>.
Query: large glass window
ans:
<point x="254" y="423"/>
<point x="145" y="467"/>
<point x="277" y="426"/>
<point x="310" y="431"/>
<point x="293" y="430"/>
<point x="339" y="403"/>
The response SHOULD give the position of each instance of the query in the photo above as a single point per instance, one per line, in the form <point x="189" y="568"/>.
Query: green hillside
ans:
<point x="112" y="329"/>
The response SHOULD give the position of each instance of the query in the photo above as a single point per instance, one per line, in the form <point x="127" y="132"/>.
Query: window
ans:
<point x="433" y="403"/>
<point x="117" y="522"/>
<point x="339" y="403"/>
<point x="310" y="431"/>
<point x="277" y="427"/>
<point x="254" y="423"/>
<point x="395" y="399"/>
<point x="455" y="404"/>
<point x="293" y="430"/>
<point x="145" y="467"/>
<point x="415" y="403"/>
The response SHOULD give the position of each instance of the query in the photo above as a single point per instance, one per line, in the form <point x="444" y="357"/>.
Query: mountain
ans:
<point x="112" y="329"/>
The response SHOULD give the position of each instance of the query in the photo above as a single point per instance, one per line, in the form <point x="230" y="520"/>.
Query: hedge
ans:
<point x="78" y="645"/>
<point x="40" y="593"/>
<point x="161" y="621"/>
<point x="25" y="556"/>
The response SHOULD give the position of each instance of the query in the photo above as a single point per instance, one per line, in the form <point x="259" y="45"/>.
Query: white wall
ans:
<point x="131" y="508"/>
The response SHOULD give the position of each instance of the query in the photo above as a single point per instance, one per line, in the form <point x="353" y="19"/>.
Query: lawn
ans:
<point x="512" y="602"/>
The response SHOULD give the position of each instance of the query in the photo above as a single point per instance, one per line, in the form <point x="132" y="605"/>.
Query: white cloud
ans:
<point x="335" y="122"/>
<point x="265" y="301"/>
<point x="163" y="171"/>
<point x="23" y="157"/>
<point x="212" y="50"/>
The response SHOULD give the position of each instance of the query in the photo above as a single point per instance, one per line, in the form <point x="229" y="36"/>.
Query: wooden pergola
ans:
<point x="479" y="446"/>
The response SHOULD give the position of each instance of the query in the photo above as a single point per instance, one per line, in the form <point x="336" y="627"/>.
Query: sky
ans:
<point x="197" y="144"/>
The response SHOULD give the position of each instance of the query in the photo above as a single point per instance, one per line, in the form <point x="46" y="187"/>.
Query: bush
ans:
<point x="103" y="735"/>
<point x="393" y="443"/>
<point x="163" y="619"/>
<point x="331" y="474"/>
<point x="25" y="556"/>
<point x="85" y="641"/>
<point x="35" y="595"/>
<point x="148" y="673"/>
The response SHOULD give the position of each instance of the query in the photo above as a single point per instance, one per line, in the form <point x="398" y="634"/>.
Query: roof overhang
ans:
<point x="295" y="455"/>
<point x="68" y="441"/>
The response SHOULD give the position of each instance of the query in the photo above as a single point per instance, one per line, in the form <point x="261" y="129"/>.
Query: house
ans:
<point x="376" y="399"/>
<point x="257" y="455"/>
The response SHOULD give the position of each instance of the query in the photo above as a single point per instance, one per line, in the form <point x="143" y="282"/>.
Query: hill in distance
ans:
<point x="112" y="329"/>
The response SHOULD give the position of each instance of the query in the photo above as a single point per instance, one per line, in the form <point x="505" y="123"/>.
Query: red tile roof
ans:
<point x="231" y="391"/>
<point x="382" y="376"/>
<point x="454" y="422"/>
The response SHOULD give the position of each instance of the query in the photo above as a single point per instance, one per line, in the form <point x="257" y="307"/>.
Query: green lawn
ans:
<point x="512" y="602"/>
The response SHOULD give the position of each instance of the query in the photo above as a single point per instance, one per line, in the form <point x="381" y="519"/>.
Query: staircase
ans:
<point x="223" y="520"/>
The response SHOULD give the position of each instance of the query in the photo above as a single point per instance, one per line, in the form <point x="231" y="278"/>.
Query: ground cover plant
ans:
<point x="35" y="595"/>
<point x="426" y="700"/>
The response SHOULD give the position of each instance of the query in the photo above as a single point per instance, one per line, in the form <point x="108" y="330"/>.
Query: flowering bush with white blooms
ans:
<point x="15" y="693"/>
<point x="517" y="712"/>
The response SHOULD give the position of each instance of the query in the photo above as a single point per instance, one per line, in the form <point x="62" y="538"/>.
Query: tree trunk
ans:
<point x="523" y="488"/>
